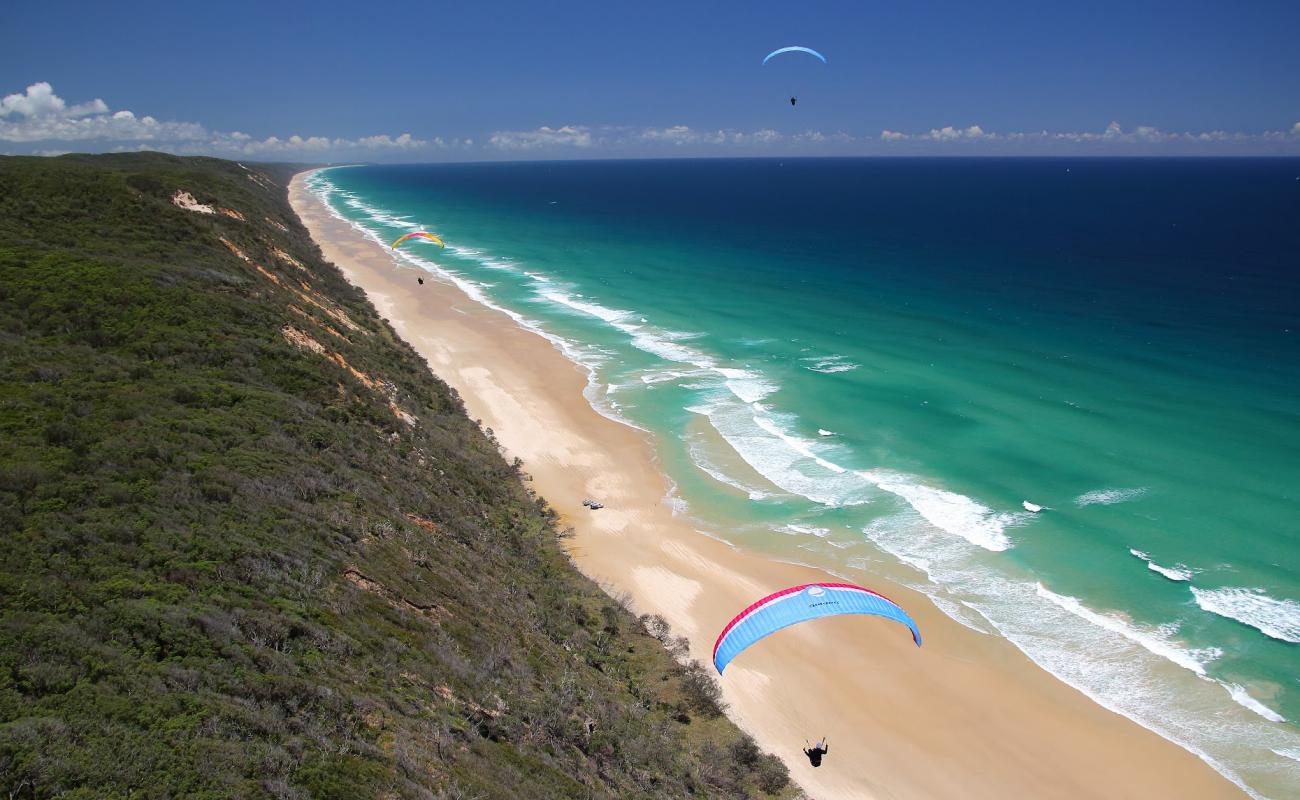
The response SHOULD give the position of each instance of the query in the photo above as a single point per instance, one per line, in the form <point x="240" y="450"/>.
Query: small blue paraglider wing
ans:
<point x="794" y="49"/>
<point x="800" y="604"/>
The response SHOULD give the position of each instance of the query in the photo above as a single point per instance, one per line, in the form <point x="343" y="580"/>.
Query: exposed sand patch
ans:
<point x="678" y="595"/>
<point x="186" y="201"/>
<point x="303" y="341"/>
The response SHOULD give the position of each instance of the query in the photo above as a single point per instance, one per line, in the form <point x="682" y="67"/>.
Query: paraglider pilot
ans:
<point x="816" y="752"/>
<point x="793" y="100"/>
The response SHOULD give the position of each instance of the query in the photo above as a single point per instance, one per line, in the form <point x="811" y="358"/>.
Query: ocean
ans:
<point x="870" y="365"/>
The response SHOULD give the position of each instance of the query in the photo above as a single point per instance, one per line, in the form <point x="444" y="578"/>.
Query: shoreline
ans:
<point x="968" y="715"/>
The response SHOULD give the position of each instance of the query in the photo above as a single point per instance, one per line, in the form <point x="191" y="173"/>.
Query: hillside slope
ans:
<point x="253" y="547"/>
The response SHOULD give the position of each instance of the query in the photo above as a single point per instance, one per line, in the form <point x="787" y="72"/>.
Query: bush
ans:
<point x="702" y="693"/>
<point x="771" y="774"/>
<point x="745" y="752"/>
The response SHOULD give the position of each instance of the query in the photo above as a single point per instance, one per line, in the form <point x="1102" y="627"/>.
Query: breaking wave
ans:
<point x="1243" y="698"/>
<point x="1159" y="641"/>
<point x="1278" y="619"/>
<point x="955" y="513"/>
<point x="1182" y="572"/>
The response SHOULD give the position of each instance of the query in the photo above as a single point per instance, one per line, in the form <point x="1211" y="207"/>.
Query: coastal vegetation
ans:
<point x="253" y="547"/>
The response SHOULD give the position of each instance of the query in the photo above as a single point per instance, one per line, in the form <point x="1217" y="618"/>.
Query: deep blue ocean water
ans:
<point x="870" y="364"/>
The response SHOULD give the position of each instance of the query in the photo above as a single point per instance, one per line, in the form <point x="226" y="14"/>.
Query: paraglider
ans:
<point x="800" y="604"/>
<point x="420" y="234"/>
<point x="794" y="49"/>
<point x="816" y="752"/>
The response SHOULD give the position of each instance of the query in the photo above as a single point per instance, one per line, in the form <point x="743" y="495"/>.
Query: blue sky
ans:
<point x="600" y="79"/>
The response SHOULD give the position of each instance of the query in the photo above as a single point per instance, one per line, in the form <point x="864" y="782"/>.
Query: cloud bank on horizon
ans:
<point x="38" y="121"/>
<point x="38" y="116"/>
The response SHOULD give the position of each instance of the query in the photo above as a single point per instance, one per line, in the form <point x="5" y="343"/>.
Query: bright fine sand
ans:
<point x="966" y="716"/>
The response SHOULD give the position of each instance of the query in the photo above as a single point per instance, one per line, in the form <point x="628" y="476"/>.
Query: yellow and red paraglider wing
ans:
<point x="420" y="234"/>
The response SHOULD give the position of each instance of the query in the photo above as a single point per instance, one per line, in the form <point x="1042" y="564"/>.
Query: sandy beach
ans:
<point x="965" y="716"/>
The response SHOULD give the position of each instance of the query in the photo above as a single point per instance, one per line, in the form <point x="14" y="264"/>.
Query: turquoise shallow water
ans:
<point x="869" y="365"/>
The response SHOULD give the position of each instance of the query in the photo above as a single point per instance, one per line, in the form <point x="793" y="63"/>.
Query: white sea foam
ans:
<point x="955" y="513"/>
<point x="1244" y="699"/>
<point x="481" y="258"/>
<point x="1181" y="572"/>
<point x="750" y="387"/>
<point x="808" y="530"/>
<point x="1278" y="619"/>
<point x="651" y="377"/>
<point x="662" y="343"/>
<point x="800" y="446"/>
<point x="961" y="613"/>
<point x="1293" y="754"/>
<point x="702" y="461"/>
<point x="1109" y="497"/>
<point x="765" y="442"/>
<point x="747" y="385"/>
<point x="828" y="364"/>
<point x="1115" y="670"/>
<point x="382" y="216"/>
<point x="1158" y="642"/>
<point x="611" y="315"/>
<point x="1172" y="573"/>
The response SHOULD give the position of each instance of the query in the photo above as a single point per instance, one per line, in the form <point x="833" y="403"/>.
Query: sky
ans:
<point x="434" y="81"/>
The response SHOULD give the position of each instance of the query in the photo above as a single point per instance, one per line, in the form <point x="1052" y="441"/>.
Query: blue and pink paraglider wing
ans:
<point x="800" y="604"/>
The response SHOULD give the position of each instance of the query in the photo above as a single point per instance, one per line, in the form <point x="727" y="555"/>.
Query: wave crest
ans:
<point x="1278" y="619"/>
<point x="955" y="513"/>
<point x="1182" y="572"/>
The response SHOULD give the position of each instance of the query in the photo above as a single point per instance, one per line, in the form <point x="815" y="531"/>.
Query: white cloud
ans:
<point x="682" y="136"/>
<point x="40" y="119"/>
<point x="38" y="100"/>
<point x="543" y="137"/>
<point x="817" y="137"/>
<point x="1113" y="134"/>
<point x="629" y="139"/>
<point x="677" y="134"/>
<point x="403" y="142"/>
<point x="945" y="134"/>
<point x="40" y="115"/>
